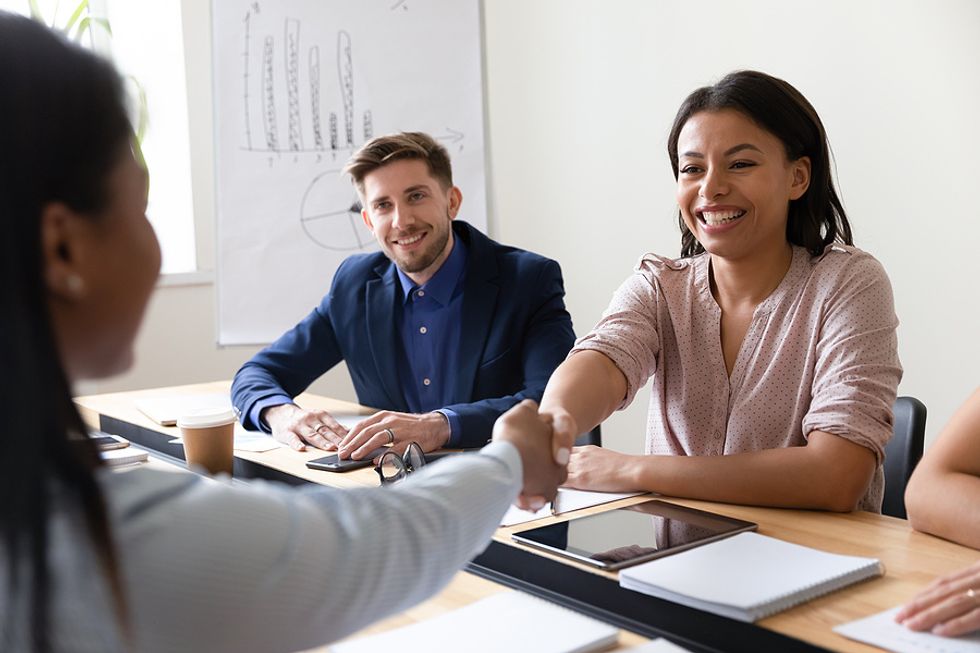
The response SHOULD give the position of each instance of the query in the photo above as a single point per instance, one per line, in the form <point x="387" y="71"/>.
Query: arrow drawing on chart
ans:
<point x="453" y="136"/>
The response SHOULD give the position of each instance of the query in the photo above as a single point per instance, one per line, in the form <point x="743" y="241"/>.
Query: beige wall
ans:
<point x="580" y="95"/>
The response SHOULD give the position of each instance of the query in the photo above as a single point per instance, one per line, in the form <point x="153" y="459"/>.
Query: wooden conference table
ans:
<point x="911" y="559"/>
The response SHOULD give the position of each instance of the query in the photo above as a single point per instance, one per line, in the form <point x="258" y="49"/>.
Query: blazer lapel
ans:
<point x="479" y="303"/>
<point x="382" y="336"/>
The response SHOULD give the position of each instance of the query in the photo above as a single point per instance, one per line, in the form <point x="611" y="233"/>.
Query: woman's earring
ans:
<point x="75" y="284"/>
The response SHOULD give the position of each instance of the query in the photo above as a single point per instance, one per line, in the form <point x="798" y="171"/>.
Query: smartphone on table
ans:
<point x="332" y="463"/>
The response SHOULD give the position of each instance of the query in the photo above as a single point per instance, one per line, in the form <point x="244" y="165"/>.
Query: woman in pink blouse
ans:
<point x="770" y="343"/>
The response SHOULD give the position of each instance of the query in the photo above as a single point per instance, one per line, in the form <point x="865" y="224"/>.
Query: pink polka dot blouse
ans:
<point x="820" y="354"/>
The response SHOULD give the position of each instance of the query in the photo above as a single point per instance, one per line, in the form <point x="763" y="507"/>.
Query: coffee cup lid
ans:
<point x="202" y="418"/>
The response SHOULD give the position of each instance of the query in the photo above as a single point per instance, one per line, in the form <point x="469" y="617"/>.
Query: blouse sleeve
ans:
<point x="857" y="368"/>
<point x="211" y="566"/>
<point x="628" y="332"/>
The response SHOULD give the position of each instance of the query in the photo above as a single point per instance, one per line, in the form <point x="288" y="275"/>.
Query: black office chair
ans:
<point x="592" y="437"/>
<point x="902" y="453"/>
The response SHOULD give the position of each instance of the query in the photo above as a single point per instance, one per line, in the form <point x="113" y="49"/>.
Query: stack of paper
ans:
<point x="747" y="576"/>
<point x="508" y="621"/>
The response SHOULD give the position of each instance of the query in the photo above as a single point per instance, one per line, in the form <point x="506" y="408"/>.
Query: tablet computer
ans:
<point x="634" y="534"/>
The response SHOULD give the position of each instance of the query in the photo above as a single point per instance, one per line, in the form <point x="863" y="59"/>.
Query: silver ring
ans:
<point x="319" y="428"/>
<point x="391" y="436"/>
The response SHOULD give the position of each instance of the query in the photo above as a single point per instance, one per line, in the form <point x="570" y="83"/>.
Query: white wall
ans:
<point x="580" y="96"/>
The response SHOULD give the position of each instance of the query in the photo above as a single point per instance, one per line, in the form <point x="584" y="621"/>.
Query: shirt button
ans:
<point x="423" y="330"/>
<point x="426" y="382"/>
<point x="420" y="293"/>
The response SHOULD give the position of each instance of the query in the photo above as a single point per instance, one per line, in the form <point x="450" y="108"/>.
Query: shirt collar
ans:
<point x="442" y="284"/>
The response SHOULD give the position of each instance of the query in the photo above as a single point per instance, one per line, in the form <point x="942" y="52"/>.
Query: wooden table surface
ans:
<point x="911" y="559"/>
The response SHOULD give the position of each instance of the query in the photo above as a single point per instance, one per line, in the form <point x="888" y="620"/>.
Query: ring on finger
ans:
<point x="320" y="428"/>
<point x="972" y="595"/>
<point x="391" y="436"/>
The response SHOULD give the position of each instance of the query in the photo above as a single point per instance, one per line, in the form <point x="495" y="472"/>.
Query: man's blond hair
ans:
<point x="382" y="150"/>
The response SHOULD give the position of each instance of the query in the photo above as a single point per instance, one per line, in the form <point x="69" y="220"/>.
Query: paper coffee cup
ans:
<point x="209" y="437"/>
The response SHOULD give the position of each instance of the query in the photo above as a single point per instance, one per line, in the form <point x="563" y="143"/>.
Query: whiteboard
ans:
<point x="298" y="86"/>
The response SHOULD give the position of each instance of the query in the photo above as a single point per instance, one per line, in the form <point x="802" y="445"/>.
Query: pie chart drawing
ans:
<point x="331" y="215"/>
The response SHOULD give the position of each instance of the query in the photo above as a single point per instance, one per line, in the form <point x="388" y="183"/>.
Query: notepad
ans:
<point x="506" y="621"/>
<point x="747" y="576"/>
<point x="166" y="410"/>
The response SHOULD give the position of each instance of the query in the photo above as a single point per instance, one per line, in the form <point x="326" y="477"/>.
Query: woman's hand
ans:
<point x="601" y="470"/>
<point x="950" y="606"/>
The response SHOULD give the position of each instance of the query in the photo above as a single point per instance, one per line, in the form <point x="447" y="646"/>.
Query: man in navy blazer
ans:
<point x="444" y="330"/>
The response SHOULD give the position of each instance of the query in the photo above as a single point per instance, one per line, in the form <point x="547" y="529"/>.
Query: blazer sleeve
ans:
<point x="288" y="366"/>
<point x="548" y="337"/>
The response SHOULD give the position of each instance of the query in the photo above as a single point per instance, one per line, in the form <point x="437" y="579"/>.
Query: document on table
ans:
<point x="881" y="630"/>
<point x="506" y="621"/>
<point x="568" y="500"/>
<point x="256" y="441"/>
<point x="348" y="420"/>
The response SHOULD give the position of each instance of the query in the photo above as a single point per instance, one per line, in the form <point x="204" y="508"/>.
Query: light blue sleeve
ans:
<point x="259" y="566"/>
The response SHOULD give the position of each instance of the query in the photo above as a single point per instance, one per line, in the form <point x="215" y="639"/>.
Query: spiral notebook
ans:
<point x="747" y="576"/>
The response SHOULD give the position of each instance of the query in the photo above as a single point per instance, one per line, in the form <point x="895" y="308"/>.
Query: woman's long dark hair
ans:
<point x="63" y="127"/>
<point x="816" y="219"/>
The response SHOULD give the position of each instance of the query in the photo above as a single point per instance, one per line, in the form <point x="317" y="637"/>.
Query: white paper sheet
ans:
<point x="256" y="441"/>
<point x="568" y="501"/>
<point x="881" y="630"/>
<point x="507" y="621"/>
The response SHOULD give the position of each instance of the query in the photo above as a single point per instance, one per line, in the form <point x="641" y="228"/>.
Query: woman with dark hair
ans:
<point x="92" y="560"/>
<point x="771" y="342"/>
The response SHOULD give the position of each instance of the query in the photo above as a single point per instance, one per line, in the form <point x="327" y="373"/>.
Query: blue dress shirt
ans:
<point x="429" y="324"/>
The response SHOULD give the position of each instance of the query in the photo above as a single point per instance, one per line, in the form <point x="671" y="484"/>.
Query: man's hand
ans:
<point x="429" y="430"/>
<point x="543" y="458"/>
<point x="949" y="607"/>
<point x="296" y="427"/>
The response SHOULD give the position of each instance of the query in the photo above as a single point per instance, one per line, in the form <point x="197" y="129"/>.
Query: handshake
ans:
<point x="544" y="441"/>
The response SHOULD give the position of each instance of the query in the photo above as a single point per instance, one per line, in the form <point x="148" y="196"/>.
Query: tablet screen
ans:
<point x="627" y="536"/>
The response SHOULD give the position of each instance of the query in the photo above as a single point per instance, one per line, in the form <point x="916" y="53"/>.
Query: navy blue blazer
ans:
<point x="515" y="332"/>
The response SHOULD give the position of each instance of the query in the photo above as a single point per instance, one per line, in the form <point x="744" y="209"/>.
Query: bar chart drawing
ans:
<point x="289" y="49"/>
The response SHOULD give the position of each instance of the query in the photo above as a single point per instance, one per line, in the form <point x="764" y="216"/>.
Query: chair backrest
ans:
<point x="592" y="437"/>
<point x="902" y="453"/>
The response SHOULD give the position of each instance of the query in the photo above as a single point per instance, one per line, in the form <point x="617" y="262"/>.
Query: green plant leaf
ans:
<point x="86" y="23"/>
<point x="82" y="7"/>
<point x="142" y="116"/>
<point x="35" y="10"/>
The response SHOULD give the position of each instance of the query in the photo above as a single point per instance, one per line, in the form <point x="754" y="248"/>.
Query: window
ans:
<point x="147" y="45"/>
